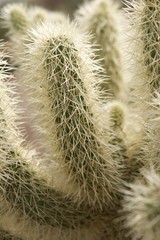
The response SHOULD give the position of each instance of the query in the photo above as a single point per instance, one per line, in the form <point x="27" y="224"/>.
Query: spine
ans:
<point x="103" y="19"/>
<point x="63" y="85"/>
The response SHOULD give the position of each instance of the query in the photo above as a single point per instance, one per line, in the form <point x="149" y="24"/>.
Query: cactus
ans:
<point x="102" y="18"/>
<point x="143" y="208"/>
<point x="80" y="132"/>
<point x="18" y="18"/>
<point x="141" y="198"/>
<point x="7" y="236"/>
<point x="147" y="13"/>
<point x="38" y="210"/>
<point x="123" y="145"/>
<point x="144" y="20"/>
<point x="144" y="17"/>
<point x="92" y="171"/>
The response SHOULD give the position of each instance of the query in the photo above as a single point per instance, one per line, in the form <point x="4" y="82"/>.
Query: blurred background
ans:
<point x="67" y="6"/>
<point x="59" y="5"/>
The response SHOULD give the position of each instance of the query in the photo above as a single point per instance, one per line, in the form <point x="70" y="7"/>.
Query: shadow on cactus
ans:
<point x="91" y="167"/>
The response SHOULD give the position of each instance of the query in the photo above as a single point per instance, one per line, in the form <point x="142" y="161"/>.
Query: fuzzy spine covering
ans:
<point x="29" y="208"/>
<point x="24" y="194"/>
<point x="145" y="25"/>
<point x="102" y="18"/>
<point x="65" y="92"/>
<point x="143" y="218"/>
<point x="143" y="207"/>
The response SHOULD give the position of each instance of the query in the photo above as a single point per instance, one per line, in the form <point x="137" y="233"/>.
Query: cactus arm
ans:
<point x="15" y="19"/>
<point x="29" y="208"/>
<point x="141" y="204"/>
<point x="65" y="92"/>
<point x="102" y="19"/>
<point x="145" y="24"/>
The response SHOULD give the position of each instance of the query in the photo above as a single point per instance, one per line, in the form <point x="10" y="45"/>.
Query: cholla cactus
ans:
<point x="18" y="18"/>
<point x="71" y="123"/>
<point x="103" y="19"/>
<point x="83" y="179"/>
<point x="141" y="201"/>
<point x="39" y="14"/>
<point x="144" y="17"/>
<point x="15" y="18"/>
<point x="142" y="206"/>
<point x="38" y="211"/>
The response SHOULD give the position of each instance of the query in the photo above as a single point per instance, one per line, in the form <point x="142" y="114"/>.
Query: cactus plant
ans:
<point x="142" y="207"/>
<point x="103" y="19"/>
<point x="38" y="211"/>
<point x="92" y="171"/>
